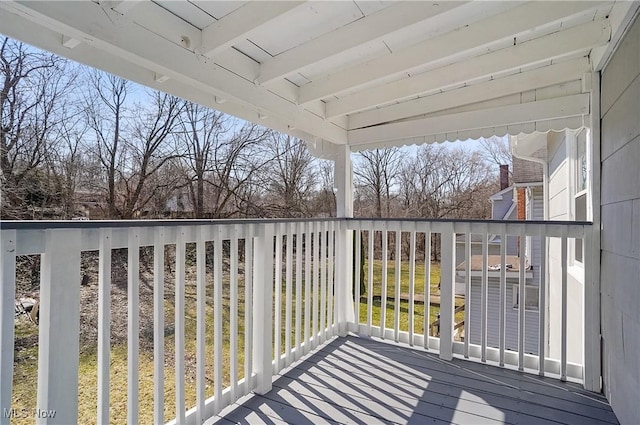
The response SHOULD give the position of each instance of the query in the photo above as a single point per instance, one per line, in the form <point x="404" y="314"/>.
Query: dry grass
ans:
<point x="403" y="305"/>
<point x="25" y="366"/>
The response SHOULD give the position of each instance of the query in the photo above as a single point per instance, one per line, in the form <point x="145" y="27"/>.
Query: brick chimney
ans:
<point x="522" y="206"/>
<point x="504" y="176"/>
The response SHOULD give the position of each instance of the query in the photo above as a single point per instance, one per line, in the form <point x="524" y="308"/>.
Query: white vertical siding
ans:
<point x="493" y="318"/>
<point x="620" y="237"/>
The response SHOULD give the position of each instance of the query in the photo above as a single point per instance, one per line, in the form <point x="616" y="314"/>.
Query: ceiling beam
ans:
<point x="125" y="6"/>
<point x="125" y="39"/>
<point x="17" y="26"/>
<point x="475" y="36"/>
<point x="621" y="16"/>
<point x="553" y="46"/>
<point x="562" y="107"/>
<point x="493" y="89"/>
<point x="240" y="23"/>
<point x="365" y="30"/>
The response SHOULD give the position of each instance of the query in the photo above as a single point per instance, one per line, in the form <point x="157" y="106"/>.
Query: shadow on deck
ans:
<point x="360" y="380"/>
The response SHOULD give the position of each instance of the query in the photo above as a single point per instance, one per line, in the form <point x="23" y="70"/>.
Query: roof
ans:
<point x="498" y="196"/>
<point x="512" y="269"/>
<point x="525" y="171"/>
<point x="357" y="73"/>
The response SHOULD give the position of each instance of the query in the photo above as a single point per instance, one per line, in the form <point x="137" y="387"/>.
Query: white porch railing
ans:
<point x="295" y="278"/>
<point x="555" y="238"/>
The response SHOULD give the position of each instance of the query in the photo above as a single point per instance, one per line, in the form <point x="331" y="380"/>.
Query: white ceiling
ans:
<point x="362" y="73"/>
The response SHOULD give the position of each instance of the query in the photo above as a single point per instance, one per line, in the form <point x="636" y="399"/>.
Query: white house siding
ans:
<point x="560" y="200"/>
<point x="536" y="213"/>
<point x="476" y="249"/>
<point x="493" y="319"/>
<point x="620" y="238"/>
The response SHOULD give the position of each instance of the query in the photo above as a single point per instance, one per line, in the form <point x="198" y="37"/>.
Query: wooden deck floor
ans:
<point x="359" y="380"/>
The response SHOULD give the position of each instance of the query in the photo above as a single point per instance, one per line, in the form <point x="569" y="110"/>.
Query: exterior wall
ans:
<point x="493" y="320"/>
<point x="560" y="201"/>
<point x="536" y="212"/>
<point x="528" y="171"/>
<point x="500" y="207"/>
<point x="620" y="237"/>
<point x="476" y="249"/>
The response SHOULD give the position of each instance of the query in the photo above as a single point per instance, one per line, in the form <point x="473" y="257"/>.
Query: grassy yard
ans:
<point x="25" y="366"/>
<point x="403" y="306"/>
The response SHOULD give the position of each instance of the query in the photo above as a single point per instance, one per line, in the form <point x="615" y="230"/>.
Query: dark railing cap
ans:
<point x="94" y="224"/>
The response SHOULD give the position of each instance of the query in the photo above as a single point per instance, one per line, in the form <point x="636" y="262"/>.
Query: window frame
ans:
<point x="516" y="295"/>
<point x="580" y="188"/>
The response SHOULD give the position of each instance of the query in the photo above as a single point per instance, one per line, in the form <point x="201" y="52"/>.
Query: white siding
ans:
<point x="511" y="323"/>
<point x="560" y="200"/>
<point x="536" y="213"/>
<point x="620" y="238"/>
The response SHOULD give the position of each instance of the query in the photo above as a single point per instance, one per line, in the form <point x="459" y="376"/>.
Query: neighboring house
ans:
<point x="563" y="160"/>
<point x="179" y="205"/>
<point x="523" y="200"/>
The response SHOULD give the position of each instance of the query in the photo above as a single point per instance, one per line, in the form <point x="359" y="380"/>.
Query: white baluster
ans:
<point x="249" y="265"/>
<point x="104" y="323"/>
<point x="200" y="324"/>
<point x="218" y="252"/>
<point x="133" y="327"/>
<point x="179" y="325"/>
<point x="158" y="329"/>
<point x="298" y="307"/>
<point x="396" y="295"/>
<point x="7" y="293"/>
<point x="412" y="284"/>
<point x="288" y="293"/>
<point x="447" y="282"/>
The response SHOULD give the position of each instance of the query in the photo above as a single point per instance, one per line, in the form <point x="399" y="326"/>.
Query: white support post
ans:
<point x="7" y="294"/>
<point x="262" y="309"/>
<point x="59" y="328"/>
<point x="104" y="322"/>
<point x="592" y="324"/>
<point x="344" y="241"/>
<point x="343" y="173"/>
<point x="447" y="282"/>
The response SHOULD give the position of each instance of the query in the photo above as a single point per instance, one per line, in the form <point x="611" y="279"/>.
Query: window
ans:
<point x="531" y="300"/>
<point x="581" y="215"/>
<point x="581" y="172"/>
<point x="581" y="162"/>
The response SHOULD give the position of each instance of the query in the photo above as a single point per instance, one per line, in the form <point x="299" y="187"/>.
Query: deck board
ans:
<point x="359" y="380"/>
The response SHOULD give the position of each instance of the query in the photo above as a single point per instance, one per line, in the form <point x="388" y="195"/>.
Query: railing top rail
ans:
<point x="480" y="221"/>
<point x="94" y="224"/>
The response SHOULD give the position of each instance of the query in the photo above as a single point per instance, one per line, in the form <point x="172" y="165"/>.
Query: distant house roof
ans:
<point x="500" y="195"/>
<point x="493" y="262"/>
<point x="476" y="239"/>
<point x="525" y="171"/>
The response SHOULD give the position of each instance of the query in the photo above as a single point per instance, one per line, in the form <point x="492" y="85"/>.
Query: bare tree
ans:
<point x="376" y="173"/>
<point x="32" y="96"/>
<point x="440" y="182"/>
<point x="495" y="150"/>
<point x="202" y="131"/>
<point x="132" y="147"/>
<point x="223" y="159"/>
<point x="106" y="116"/>
<point x="291" y="177"/>
<point x="325" y="199"/>
<point x="69" y="163"/>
